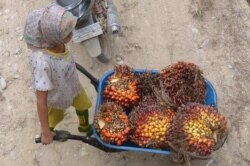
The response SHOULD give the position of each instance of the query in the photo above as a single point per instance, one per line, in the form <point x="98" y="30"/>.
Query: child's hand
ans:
<point x="47" y="137"/>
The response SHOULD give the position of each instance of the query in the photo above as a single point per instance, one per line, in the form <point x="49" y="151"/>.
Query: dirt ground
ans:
<point x="214" y="34"/>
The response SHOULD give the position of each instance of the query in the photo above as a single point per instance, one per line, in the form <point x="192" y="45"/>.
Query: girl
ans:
<point x="53" y="69"/>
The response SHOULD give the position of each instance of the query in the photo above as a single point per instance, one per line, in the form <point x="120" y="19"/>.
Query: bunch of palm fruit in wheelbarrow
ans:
<point x="164" y="109"/>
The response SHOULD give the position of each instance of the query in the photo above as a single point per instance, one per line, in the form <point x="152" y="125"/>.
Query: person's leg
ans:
<point x="55" y="116"/>
<point x="83" y="117"/>
<point x="82" y="104"/>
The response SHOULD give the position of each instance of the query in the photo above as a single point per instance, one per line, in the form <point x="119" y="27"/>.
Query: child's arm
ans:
<point x="42" y="108"/>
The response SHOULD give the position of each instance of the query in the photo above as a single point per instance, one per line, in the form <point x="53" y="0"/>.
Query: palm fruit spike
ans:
<point x="183" y="83"/>
<point x="122" y="87"/>
<point x="147" y="82"/>
<point x="123" y="71"/>
<point x="149" y="123"/>
<point x="111" y="123"/>
<point x="197" y="131"/>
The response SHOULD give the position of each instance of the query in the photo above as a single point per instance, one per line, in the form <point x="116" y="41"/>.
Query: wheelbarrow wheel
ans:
<point x="106" y="54"/>
<point x="102" y="58"/>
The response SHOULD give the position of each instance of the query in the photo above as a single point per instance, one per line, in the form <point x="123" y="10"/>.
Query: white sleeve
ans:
<point x="41" y="74"/>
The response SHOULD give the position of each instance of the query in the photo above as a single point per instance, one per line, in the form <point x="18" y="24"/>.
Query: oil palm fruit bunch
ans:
<point x="122" y="87"/>
<point x="147" y="82"/>
<point x="111" y="122"/>
<point x="149" y="123"/>
<point x="198" y="130"/>
<point x="183" y="82"/>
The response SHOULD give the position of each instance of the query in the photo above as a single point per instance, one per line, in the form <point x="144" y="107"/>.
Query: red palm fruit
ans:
<point x="149" y="123"/>
<point x="198" y="130"/>
<point x="122" y="87"/>
<point x="111" y="123"/>
<point x="183" y="83"/>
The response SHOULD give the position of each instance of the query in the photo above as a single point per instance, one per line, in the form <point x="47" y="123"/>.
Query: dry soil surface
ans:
<point x="212" y="34"/>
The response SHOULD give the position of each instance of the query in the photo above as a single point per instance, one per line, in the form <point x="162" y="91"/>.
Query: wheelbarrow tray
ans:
<point x="210" y="99"/>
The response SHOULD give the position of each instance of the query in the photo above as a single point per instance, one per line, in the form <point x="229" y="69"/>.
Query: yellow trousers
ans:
<point x="80" y="102"/>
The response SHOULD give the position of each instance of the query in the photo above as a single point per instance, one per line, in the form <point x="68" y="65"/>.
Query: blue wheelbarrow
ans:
<point x="210" y="99"/>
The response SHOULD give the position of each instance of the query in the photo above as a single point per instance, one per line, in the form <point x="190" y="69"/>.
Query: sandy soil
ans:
<point x="155" y="34"/>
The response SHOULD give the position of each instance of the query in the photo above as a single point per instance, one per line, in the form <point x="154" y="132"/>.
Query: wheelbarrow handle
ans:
<point x="38" y="140"/>
<point x="94" y="81"/>
<point x="93" y="142"/>
<point x="60" y="135"/>
<point x="88" y="140"/>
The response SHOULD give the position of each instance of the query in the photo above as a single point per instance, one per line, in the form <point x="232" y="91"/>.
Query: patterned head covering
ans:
<point x="47" y="27"/>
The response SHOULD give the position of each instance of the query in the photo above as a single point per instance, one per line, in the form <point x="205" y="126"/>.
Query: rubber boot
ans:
<point x="84" y="125"/>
